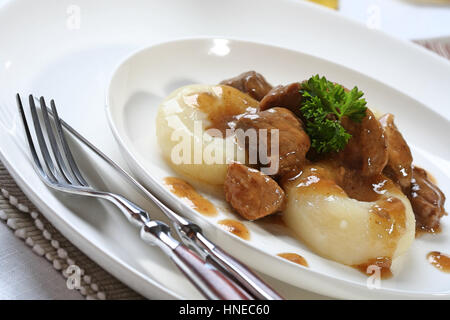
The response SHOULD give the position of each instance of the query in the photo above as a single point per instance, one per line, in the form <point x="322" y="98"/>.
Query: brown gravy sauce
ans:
<point x="327" y="178"/>
<point x="421" y="230"/>
<point x="439" y="260"/>
<point x="314" y="179"/>
<point x="383" y="264"/>
<point x="190" y="196"/>
<point x="235" y="227"/>
<point x="364" y="188"/>
<point x="389" y="219"/>
<point x="293" y="257"/>
<point x="224" y="107"/>
<point x="434" y="196"/>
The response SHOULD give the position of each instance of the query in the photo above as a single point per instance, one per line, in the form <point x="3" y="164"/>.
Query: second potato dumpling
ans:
<point x="347" y="230"/>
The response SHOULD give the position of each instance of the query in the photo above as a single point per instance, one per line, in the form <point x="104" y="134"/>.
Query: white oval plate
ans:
<point x="143" y="80"/>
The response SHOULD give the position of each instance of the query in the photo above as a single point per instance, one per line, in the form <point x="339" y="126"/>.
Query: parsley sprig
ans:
<point x="324" y="104"/>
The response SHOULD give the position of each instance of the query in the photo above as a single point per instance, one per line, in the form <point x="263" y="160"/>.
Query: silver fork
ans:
<point x="61" y="172"/>
<point x="191" y="234"/>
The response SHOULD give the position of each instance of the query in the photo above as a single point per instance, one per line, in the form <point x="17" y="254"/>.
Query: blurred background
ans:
<point x="408" y="19"/>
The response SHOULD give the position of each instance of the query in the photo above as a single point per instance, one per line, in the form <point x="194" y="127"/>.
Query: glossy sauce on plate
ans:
<point x="235" y="227"/>
<point x="294" y="257"/>
<point x="439" y="260"/>
<point x="189" y="195"/>
<point x="381" y="264"/>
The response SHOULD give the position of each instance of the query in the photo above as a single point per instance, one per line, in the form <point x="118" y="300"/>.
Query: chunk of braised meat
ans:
<point x="251" y="193"/>
<point x="288" y="96"/>
<point x="250" y="82"/>
<point x="427" y="201"/>
<point x="293" y="142"/>
<point x="366" y="150"/>
<point x="399" y="166"/>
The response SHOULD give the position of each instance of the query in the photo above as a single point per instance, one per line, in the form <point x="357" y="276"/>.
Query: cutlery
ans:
<point x="61" y="172"/>
<point x="191" y="234"/>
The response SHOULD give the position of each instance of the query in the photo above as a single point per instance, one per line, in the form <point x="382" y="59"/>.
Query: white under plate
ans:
<point x="68" y="49"/>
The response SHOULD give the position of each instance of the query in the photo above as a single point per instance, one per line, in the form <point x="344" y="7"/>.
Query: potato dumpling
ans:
<point x="190" y="128"/>
<point x="343" y="229"/>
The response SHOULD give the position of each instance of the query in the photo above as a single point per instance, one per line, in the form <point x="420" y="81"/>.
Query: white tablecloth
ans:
<point x="25" y="275"/>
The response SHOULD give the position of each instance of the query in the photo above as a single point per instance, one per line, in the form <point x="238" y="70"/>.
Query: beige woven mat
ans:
<point x="28" y="224"/>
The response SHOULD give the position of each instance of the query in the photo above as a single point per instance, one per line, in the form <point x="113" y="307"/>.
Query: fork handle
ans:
<point x="239" y="271"/>
<point x="210" y="281"/>
<point x="191" y="235"/>
<point x="244" y="276"/>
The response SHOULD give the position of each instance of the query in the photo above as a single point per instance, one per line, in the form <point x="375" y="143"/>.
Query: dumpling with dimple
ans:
<point x="343" y="229"/>
<point x="191" y="126"/>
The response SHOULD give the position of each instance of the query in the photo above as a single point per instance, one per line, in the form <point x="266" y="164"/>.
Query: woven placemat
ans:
<point x="31" y="226"/>
<point x="28" y="224"/>
<point x="440" y="46"/>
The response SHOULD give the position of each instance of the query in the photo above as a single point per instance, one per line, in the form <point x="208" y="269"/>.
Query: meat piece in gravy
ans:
<point x="427" y="201"/>
<point x="250" y="82"/>
<point x="288" y="96"/>
<point x="366" y="150"/>
<point x="293" y="144"/>
<point x="399" y="166"/>
<point x="251" y="193"/>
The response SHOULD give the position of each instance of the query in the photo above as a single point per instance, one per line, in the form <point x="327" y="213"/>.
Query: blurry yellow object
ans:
<point x="333" y="4"/>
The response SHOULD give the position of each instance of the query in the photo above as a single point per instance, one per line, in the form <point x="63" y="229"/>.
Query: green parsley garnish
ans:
<point x="324" y="104"/>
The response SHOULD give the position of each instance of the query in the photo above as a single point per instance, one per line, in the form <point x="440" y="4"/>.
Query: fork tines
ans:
<point x="59" y="167"/>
